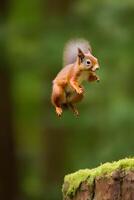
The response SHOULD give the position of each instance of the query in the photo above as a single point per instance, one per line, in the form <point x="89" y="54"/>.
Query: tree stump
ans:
<point x="110" y="181"/>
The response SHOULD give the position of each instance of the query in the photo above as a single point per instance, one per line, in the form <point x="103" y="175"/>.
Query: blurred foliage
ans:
<point x="34" y="35"/>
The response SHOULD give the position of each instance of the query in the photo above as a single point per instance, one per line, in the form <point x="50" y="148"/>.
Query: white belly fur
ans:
<point x="83" y="77"/>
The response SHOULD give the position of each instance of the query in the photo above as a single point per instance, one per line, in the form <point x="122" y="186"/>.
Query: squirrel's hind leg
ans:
<point x="58" y="98"/>
<point x="73" y="108"/>
<point x="73" y="99"/>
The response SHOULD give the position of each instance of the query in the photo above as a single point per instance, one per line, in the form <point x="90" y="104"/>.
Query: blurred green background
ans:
<point x="36" y="148"/>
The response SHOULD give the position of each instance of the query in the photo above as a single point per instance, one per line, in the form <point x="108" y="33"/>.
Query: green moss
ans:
<point x="73" y="181"/>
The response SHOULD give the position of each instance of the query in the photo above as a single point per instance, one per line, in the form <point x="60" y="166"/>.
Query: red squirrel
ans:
<point x="80" y="65"/>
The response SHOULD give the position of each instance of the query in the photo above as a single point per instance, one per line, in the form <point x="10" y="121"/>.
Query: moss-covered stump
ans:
<point x="109" y="181"/>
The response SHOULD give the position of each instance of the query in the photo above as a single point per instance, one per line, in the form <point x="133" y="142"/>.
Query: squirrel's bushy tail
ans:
<point x="71" y="50"/>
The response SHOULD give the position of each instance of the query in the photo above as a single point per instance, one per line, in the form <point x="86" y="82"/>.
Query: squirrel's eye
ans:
<point x="88" y="62"/>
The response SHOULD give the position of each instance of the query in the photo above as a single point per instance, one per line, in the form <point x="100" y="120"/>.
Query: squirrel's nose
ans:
<point x="96" y="67"/>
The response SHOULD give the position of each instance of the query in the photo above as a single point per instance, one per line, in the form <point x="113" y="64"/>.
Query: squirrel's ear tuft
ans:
<point x="80" y="54"/>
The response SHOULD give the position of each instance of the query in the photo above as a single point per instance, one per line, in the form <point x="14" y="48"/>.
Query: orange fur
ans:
<point x="67" y="86"/>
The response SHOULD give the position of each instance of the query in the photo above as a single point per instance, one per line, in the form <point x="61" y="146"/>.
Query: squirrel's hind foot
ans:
<point x="59" y="111"/>
<point x="74" y="109"/>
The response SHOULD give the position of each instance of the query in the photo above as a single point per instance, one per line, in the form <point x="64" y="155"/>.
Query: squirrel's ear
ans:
<point x="80" y="54"/>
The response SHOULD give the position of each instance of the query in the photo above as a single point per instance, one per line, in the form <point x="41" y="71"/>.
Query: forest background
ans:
<point x="36" y="148"/>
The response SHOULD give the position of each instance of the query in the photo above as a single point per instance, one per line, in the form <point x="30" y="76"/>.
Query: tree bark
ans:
<point x="8" y="170"/>
<point x="118" y="186"/>
<point x="8" y="167"/>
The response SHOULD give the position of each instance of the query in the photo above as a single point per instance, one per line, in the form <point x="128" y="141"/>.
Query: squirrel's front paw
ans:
<point x="79" y="90"/>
